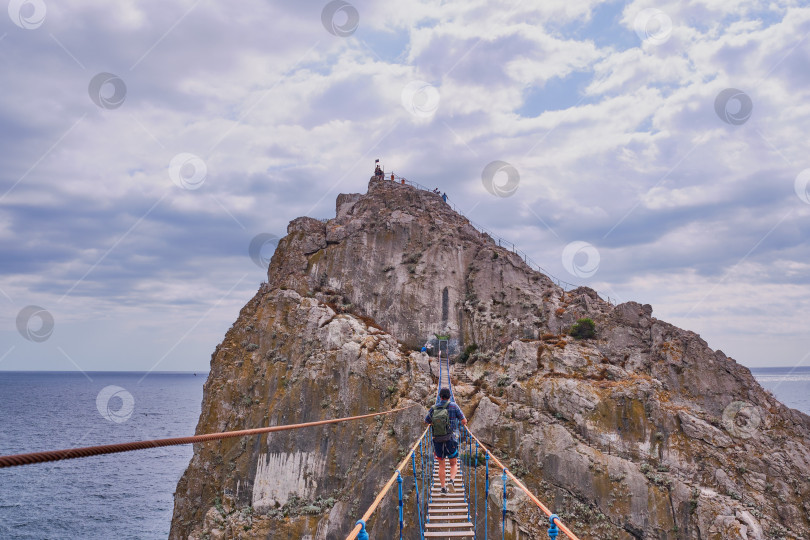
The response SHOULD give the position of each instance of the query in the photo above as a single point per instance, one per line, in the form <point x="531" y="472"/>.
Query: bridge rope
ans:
<point x="359" y="530"/>
<point x="554" y="520"/>
<point x="87" y="451"/>
<point x="467" y="439"/>
<point x="425" y="456"/>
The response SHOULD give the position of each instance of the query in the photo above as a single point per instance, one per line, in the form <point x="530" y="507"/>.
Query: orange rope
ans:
<point x="358" y="527"/>
<point x="57" y="455"/>
<point x="525" y="490"/>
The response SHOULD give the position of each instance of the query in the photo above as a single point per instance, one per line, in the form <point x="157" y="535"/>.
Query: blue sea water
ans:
<point x="127" y="495"/>
<point x="130" y="495"/>
<point x="791" y="386"/>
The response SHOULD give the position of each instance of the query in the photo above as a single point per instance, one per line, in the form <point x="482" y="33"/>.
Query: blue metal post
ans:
<point x="503" y="510"/>
<point x="553" y="531"/>
<point x="486" y="494"/>
<point x="399" y="485"/>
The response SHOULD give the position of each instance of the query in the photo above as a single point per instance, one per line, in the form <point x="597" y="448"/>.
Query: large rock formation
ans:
<point x="642" y="431"/>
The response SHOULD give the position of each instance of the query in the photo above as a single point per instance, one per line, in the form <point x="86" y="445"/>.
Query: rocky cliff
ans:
<point x="641" y="431"/>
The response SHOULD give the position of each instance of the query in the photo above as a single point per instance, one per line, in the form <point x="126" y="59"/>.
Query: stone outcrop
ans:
<point x="640" y="432"/>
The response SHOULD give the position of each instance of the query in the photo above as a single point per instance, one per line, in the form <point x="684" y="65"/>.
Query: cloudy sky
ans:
<point x="656" y="151"/>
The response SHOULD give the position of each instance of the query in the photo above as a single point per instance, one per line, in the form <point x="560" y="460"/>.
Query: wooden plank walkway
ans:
<point x="448" y="513"/>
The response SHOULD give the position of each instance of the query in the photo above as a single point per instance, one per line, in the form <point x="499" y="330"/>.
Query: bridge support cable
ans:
<point x="503" y="507"/>
<point x="87" y="451"/>
<point x="399" y="488"/>
<point x="416" y="489"/>
<point x="475" y="488"/>
<point x="465" y="464"/>
<point x="361" y="523"/>
<point x="486" y="494"/>
<point x="554" y="521"/>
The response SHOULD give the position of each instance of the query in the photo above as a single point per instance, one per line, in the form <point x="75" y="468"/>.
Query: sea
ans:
<point x="130" y="495"/>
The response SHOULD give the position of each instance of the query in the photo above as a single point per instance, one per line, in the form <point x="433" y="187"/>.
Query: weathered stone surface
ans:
<point x="641" y="432"/>
<point x="698" y="429"/>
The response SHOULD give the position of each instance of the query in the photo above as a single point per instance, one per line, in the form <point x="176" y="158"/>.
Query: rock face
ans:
<point x="640" y="432"/>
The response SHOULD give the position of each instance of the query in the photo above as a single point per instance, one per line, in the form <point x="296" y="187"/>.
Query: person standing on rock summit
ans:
<point x="445" y="445"/>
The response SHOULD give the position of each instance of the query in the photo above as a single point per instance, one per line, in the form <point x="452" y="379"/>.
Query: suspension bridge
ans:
<point x="461" y="513"/>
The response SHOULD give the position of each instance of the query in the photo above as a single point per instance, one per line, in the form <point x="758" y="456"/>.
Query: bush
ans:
<point x="470" y="349"/>
<point x="504" y="380"/>
<point x="583" y="329"/>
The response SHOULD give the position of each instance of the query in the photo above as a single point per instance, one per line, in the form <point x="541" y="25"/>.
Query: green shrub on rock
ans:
<point x="583" y="329"/>
<point x="470" y="349"/>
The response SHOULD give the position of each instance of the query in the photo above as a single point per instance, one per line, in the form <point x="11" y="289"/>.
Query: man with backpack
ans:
<point x="445" y="445"/>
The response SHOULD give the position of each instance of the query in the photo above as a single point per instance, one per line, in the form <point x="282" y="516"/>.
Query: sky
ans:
<point x="152" y="153"/>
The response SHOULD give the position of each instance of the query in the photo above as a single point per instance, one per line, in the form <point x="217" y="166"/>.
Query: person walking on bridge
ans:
<point x="445" y="445"/>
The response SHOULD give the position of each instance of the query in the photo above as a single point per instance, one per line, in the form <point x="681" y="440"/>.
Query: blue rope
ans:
<point x="460" y="460"/>
<point x="431" y="459"/>
<point x="422" y="473"/>
<point x="449" y="382"/>
<point x="399" y="485"/>
<point x="416" y="485"/>
<point x="476" y="489"/>
<point x="466" y="464"/>
<point x="503" y="510"/>
<point x="553" y="531"/>
<point x="363" y="534"/>
<point x="486" y="495"/>
<point x="471" y="471"/>
<point x="438" y="399"/>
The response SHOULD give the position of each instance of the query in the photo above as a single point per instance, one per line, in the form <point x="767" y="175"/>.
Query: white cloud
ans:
<point x="624" y="149"/>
